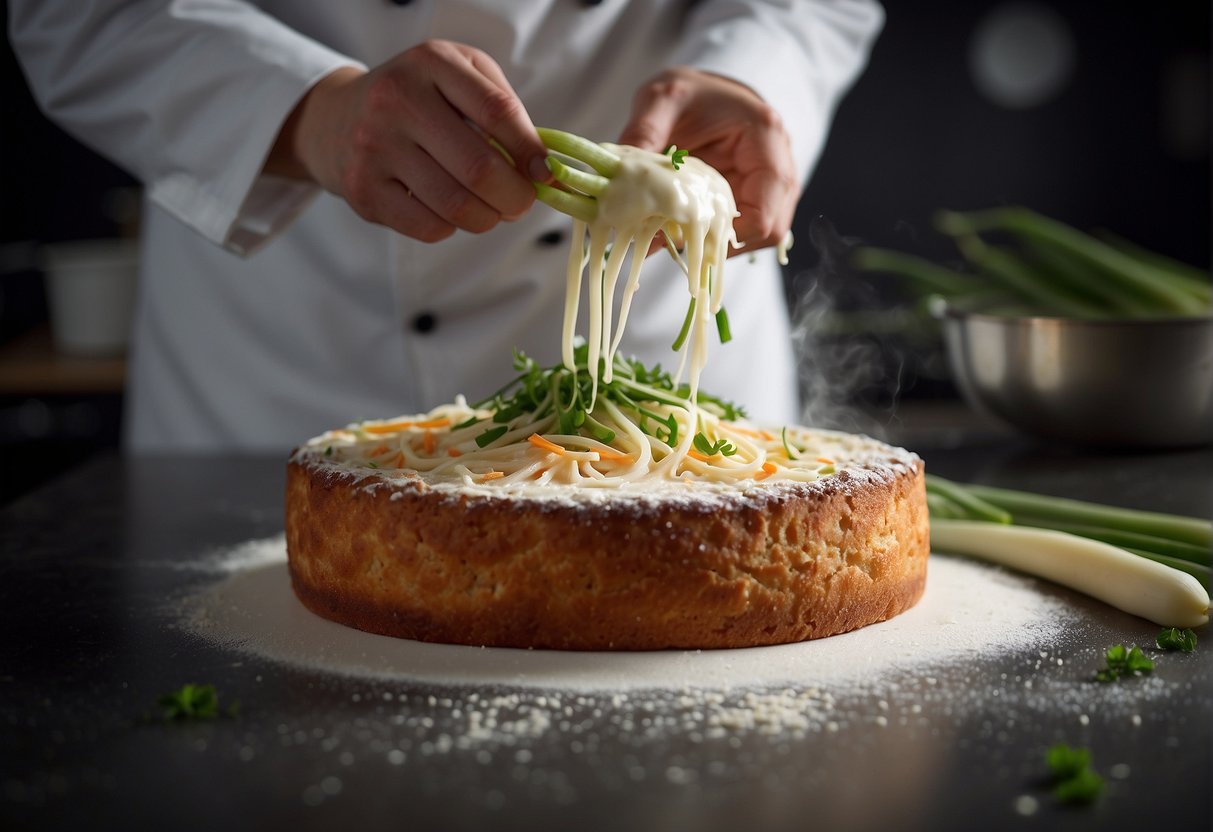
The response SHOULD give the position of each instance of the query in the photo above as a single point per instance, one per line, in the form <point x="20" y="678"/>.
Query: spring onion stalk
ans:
<point x="968" y="505"/>
<point x="588" y="183"/>
<point x="1130" y="583"/>
<point x="1137" y="561"/>
<point x="591" y="153"/>
<point x="1136" y="541"/>
<point x="1021" y="279"/>
<point x="930" y="277"/>
<point x="1188" y="278"/>
<point x="1132" y="274"/>
<point x="579" y="207"/>
<point x="1200" y="573"/>
<point x="1062" y="268"/>
<point x="1184" y="529"/>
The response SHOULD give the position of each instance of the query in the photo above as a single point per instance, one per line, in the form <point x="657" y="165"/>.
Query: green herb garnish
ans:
<point x="1074" y="781"/>
<point x="538" y="392"/>
<point x="1124" y="661"/>
<point x="1173" y="638"/>
<point x="787" y="447"/>
<point x="193" y="702"/>
<point x="678" y="157"/>
<point x="491" y="435"/>
<point x="709" y="448"/>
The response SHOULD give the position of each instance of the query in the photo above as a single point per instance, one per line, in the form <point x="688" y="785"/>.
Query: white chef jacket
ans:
<point x="269" y="311"/>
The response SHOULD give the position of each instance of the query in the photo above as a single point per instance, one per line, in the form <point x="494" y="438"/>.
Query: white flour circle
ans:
<point x="969" y="610"/>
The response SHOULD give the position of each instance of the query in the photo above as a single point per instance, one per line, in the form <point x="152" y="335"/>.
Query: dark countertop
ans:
<point x="85" y="655"/>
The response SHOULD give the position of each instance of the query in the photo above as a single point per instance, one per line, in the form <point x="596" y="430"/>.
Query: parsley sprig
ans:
<point x="1173" y="638"/>
<point x="1074" y="781"/>
<point x="1124" y="661"/>
<point x="537" y="392"/>
<point x="193" y="702"/>
<point x="678" y="158"/>
<point x="707" y="447"/>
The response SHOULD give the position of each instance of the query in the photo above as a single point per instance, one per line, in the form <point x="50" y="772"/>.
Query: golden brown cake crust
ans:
<point x="785" y="564"/>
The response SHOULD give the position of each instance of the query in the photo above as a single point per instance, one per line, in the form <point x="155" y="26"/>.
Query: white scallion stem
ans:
<point x="1130" y="583"/>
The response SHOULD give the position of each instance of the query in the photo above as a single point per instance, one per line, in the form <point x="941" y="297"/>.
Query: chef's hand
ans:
<point x="405" y="143"/>
<point x="727" y="125"/>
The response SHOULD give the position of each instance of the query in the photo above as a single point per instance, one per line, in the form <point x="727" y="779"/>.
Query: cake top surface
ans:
<point x="431" y="452"/>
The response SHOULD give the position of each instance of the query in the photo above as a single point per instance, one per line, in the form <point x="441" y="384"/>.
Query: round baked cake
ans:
<point x="547" y="545"/>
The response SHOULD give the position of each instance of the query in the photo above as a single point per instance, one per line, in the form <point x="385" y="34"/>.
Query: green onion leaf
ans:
<point x="722" y="326"/>
<point x="686" y="327"/>
<point x="491" y="435"/>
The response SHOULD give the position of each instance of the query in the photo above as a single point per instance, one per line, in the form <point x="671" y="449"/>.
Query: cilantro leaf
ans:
<point x="190" y="702"/>
<point x="1074" y="781"/>
<point x="709" y="448"/>
<point x="678" y="157"/>
<point x="1124" y="661"/>
<point x="1172" y="638"/>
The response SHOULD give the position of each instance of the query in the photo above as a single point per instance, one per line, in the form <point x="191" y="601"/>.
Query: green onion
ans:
<point x="1144" y="280"/>
<point x="686" y="327"/>
<point x="1041" y="507"/>
<point x="579" y="207"/>
<point x="932" y="278"/>
<point x="722" y="326"/>
<point x="1021" y="279"/>
<point x="787" y="447"/>
<point x="588" y="183"/>
<point x="591" y="153"/>
<point x="491" y="435"/>
<point x="973" y="507"/>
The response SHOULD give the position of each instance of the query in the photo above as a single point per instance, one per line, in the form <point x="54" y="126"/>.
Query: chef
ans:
<point x="327" y="234"/>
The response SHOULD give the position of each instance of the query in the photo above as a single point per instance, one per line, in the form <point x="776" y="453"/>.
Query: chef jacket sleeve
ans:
<point x="800" y="56"/>
<point x="187" y="96"/>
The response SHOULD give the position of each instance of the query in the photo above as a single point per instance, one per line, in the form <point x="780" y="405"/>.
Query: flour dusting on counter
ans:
<point x="969" y="610"/>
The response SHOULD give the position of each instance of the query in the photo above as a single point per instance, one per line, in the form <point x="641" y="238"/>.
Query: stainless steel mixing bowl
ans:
<point x="1124" y="384"/>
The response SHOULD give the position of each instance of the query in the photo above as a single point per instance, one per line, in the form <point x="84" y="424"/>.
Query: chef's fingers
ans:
<point x="656" y="108"/>
<point x="442" y="193"/>
<point x="393" y="204"/>
<point x="766" y="191"/>
<point x="496" y="112"/>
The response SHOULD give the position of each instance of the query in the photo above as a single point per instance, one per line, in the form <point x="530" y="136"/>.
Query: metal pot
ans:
<point x="1111" y="383"/>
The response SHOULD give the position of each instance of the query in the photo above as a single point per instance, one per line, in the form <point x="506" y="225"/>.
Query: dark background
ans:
<point x="1121" y="144"/>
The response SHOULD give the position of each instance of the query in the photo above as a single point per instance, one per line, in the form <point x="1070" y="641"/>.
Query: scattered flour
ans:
<point x="979" y="660"/>
<point x="969" y="610"/>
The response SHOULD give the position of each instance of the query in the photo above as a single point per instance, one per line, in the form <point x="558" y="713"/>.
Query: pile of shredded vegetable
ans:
<point x="546" y="426"/>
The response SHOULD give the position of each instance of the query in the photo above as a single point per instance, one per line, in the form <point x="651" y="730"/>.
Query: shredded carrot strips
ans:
<point x="824" y="460"/>
<point x="768" y="468"/>
<point x="440" y="422"/>
<point x="492" y="475"/>
<point x="454" y="452"/>
<point x="767" y="435"/>
<point x="614" y="456"/>
<point x="694" y="454"/>
<point x="430" y="443"/>
<point x="388" y="427"/>
<point x="539" y="442"/>
<point x="398" y="460"/>
<point x="380" y="451"/>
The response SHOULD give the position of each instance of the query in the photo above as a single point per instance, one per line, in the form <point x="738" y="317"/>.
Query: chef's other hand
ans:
<point x="732" y="129"/>
<point x="406" y="145"/>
